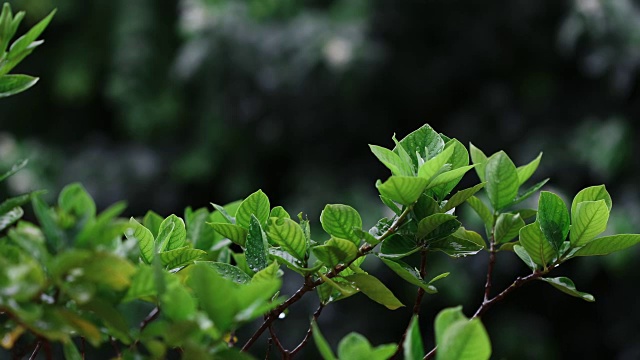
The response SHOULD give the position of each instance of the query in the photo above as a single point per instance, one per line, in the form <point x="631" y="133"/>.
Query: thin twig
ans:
<point x="310" y="285"/>
<point x="152" y="316"/>
<point x="487" y="304"/>
<point x="82" y="347"/>
<point x="492" y="263"/>
<point x="304" y="341"/>
<point x="115" y="347"/>
<point x="47" y="350"/>
<point x="269" y="343"/>
<point x="36" y="351"/>
<point x="416" y="305"/>
<point x="274" y="336"/>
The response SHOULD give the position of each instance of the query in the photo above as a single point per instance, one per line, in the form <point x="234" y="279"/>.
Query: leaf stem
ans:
<point x="152" y="316"/>
<point x="304" y="341"/>
<point x="36" y="350"/>
<point x="309" y="284"/>
<point x="492" y="263"/>
<point x="416" y="305"/>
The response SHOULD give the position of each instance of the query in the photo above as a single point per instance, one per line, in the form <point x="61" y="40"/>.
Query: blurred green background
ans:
<point x="174" y="103"/>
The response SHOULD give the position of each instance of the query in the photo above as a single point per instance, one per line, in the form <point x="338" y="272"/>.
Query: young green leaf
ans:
<point x="507" y="227"/>
<point x="179" y="257"/>
<point x="172" y="234"/>
<point x="137" y="232"/>
<point x="227" y="271"/>
<point x="538" y="248"/>
<point x="502" y="180"/>
<point x="437" y="226"/>
<point x="459" y="159"/>
<point x="449" y="176"/>
<point x="567" y="286"/>
<point x="10" y="217"/>
<point x="335" y="251"/>
<point x="220" y="209"/>
<point x="404" y="190"/>
<point x="445" y="319"/>
<point x="152" y="222"/>
<point x="232" y="232"/>
<point x="391" y="205"/>
<point x="553" y="218"/>
<point x="339" y="220"/>
<point x="26" y="40"/>
<point x="608" y="244"/>
<point x="14" y="169"/>
<point x="588" y="221"/>
<point x="392" y="161"/>
<point x="375" y="290"/>
<point x="525" y="171"/>
<point x="412" y="346"/>
<point x="217" y="296"/>
<point x="280" y="213"/>
<point x="55" y="238"/>
<point x="423" y="142"/>
<point x="465" y="340"/>
<point x="529" y="192"/>
<point x="524" y="256"/>
<point x="592" y="193"/>
<point x="287" y="234"/>
<point x="257" y="246"/>
<point x="479" y="159"/>
<point x="460" y="197"/>
<point x="199" y="233"/>
<point x="74" y="199"/>
<point x="323" y="346"/>
<point x="15" y="84"/>
<point x="256" y="204"/>
<point x="409" y="274"/>
<point x="432" y="167"/>
<point x="482" y="210"/>
<point x="269" y="273"/>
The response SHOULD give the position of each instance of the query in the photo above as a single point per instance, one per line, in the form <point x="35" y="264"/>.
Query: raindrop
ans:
<point x="282" y="316"/>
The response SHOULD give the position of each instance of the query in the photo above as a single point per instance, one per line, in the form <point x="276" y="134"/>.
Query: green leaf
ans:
<point x="287" y="234"/>
<point x="553" y="218"/>
<point x="469" y="235"/>
<point x="465" y="340"/>
<point x="592" y="193"/>
<point x="367" y="237"/>
<point x="216" y="295"/>
<point x="227" y="271"/>
<point x="409" y="274"/>
<point x="256" y="204"/>
<point x="479" y="159"/>
<point x="392" y="161"/>
<point x="199" y="233"/>
<point x="538" y="248"/>
<point x="567" y="286"/>
<point x="269" y="273"/>
<point x="459" y="159"/>
<point x="280" y="213"/>
<point x="461" y="196"/>
<point x="502" y="180"/>
<point x="507" y="227"/>
<point x="404" y="190"/>
<point x="74" y="199"/>
<point x="456" y="247"/>
<point x="137" y="232"/>
<point x="588" y="221"/>
<point x="425" y="206"/>
<point x="398" y="246"/>
<point x="482" y="210"/>
<point x="179" y="257"/>
<point x="339" y="220"/>
<point x="10" y="217"/>
<point x="257" y="246"/>
<point x="152" y="222"/>
<point x="356" y="347"/>
<point x="231" y="231"/>
<point x="432" y="167"/>
<point x="15" y="84"/>
<point x="423" y="142"/>
<point x="525" y="171"/>
<point x="391" y="205"/>
<point x="14" y="169"/>
<point x="445" y="319"/>
<point x="70" y="351"/>
<point x="375" y="290"/>
<point x="413" y="347"/>
<point x="336" y="251"/>
<point x="608" y="244"/>
<point x="53" y="234"/>
<point x="323" y="346"/>
<point x="524" y="256"/>
<point x="437" y="226"/>
<point x="527" y="193"/>
<point x="449" y="176"/>
<point x="222" y="211"/>
<point x="27" y="39"/>
<point x="177" y="303"/>
<point x="172" y="234"/>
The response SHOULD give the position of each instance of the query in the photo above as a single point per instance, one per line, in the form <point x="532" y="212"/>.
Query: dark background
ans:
<point x="169" y="104"/>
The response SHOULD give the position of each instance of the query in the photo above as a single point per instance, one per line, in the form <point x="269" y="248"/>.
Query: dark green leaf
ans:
<point x="460" y="197"/>
<point x="409" y="274"/>
<point x="397" y="246"/>
<point x="437" y="226"/>
<point x="335" y="251"/>
<point x="257" y="246"/>
<point x="553" y="218"/>
<point x="482" y="210"/>
<point x="456" y="247"/>
<point x="227" y="271"/>
<point x="424" y="143"/>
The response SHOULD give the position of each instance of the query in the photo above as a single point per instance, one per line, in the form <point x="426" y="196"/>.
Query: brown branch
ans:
<point x="309" y="285"/>
<point x="36" y="351"/>
<point x="284" y="352"/>
<point x="487" y="304"/>
<point x="116" y="348"/>
<point x="269" y="343"/>
<point x="83" y="346"/>
<point x="304" y="341"/>
<point x="492" y="263"/>
<point x="152" y="316"/>
<point x="416" y="305"/>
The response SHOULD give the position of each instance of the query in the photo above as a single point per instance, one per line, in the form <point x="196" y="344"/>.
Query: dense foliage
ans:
<point x="155" y="286"/>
